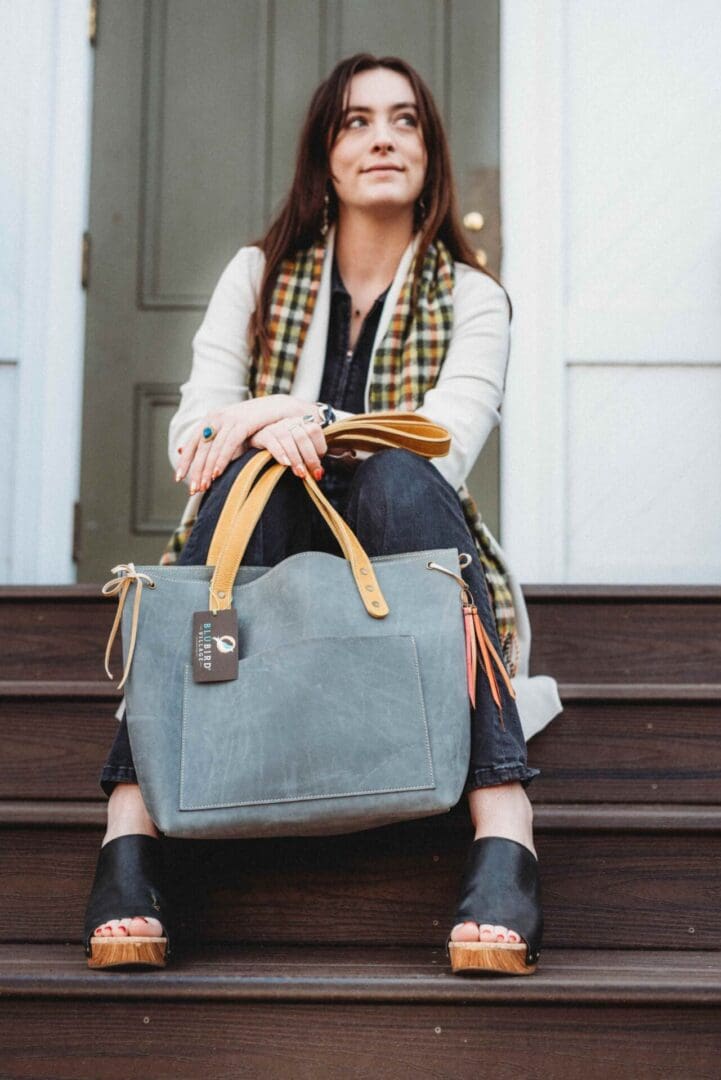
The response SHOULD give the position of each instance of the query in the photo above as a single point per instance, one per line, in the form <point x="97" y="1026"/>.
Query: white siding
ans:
<point x="45" y="87"/>
<point x="611" y="172"/>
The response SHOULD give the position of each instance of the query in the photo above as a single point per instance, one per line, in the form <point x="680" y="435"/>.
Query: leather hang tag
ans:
<point x="215" y="646"/>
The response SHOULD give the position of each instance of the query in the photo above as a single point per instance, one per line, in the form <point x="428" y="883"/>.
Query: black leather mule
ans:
<point x="127" y="883"/>
<point x="500" y="885"/>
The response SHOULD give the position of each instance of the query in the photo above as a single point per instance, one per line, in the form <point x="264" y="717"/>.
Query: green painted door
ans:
<point x="197" y="109"/>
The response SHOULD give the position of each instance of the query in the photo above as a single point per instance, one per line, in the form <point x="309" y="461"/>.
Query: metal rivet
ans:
<point x="437" y="1030"/>
<point x="364" y="570"/>
<point x="435" y="922"/>
<point x="370" y="588"/>
<point x="221" y="595"/>
<point x="375" y="603"/>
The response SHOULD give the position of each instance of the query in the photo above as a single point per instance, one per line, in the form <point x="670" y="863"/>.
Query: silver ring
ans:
<point x="311" y="418"/>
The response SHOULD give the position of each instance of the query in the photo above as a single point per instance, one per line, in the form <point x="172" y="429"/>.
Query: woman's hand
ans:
<point x="200" y="461"/>
<point x="296" y="442"/>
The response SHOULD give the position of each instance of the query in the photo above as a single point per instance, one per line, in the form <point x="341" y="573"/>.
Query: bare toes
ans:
<point x="142" y="927"/>
<point x="467" y="931"/>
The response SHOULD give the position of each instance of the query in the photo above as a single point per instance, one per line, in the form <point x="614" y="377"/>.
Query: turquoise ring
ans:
<point x="209" y="433"/>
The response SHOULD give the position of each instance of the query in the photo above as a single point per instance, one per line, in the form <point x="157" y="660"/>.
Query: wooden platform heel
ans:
<point x="126" y="884"/>
<point x="500" y="885"/>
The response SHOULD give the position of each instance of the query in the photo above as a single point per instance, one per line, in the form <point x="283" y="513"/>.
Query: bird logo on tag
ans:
<point x="224" y="644"/>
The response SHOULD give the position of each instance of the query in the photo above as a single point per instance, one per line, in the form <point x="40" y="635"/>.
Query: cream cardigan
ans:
<point x="466" y="399"/>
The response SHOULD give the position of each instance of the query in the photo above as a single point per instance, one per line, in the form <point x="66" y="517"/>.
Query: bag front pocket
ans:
<point x="320" y="719"/>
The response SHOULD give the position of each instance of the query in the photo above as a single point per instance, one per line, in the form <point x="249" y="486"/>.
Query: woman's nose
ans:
<point x="383" y="136"/>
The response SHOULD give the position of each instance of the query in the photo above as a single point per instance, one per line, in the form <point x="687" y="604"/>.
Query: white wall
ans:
<point x="611" y="170"/>
<point x="45" y="104"/>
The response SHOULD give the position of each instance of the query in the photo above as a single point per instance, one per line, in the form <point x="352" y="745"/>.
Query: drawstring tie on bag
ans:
<point x="477" y="637"/>
<point x="119" y="586"/>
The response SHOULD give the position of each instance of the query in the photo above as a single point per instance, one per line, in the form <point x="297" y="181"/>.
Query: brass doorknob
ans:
<point x="473" y="221"/>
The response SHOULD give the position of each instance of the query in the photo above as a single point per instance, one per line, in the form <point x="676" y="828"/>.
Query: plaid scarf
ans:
<point x="405" y="365"/>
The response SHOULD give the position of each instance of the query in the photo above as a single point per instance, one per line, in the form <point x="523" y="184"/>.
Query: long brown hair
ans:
<point x="298" y="223"/>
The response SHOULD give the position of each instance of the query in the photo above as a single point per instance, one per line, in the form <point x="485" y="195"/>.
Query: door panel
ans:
<point x="197" y="112"/>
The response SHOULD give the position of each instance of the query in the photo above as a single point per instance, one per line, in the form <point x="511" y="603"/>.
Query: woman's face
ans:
<point x="378" y="161"/>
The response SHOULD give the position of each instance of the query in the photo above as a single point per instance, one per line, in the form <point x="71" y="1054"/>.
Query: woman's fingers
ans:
<point x="225" y="447"/>
<point x="292" y="441"/>
<point x="270" y="443"/>
<point x="196" y="469"/>
<point x="185" y="459"/>
<point x="304" y="444"/>
<point x="291" y="444"/>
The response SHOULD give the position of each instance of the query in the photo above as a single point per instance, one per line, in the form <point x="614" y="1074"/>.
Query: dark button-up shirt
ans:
<point x="345" y="374"/>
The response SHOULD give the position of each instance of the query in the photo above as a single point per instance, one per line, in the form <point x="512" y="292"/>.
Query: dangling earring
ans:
<point x="324" y="226"/>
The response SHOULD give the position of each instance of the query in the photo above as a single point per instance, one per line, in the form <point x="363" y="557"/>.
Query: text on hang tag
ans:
<point x="215" y="646"/>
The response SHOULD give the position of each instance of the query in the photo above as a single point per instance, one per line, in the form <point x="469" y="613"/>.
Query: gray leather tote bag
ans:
<point x="334" y="717"/>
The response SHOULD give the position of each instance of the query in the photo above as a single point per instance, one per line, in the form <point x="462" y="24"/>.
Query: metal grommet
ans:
<point x="221" y="595"/>
<point x="364" y="570"/>
<point x="370" y="588"/>
<point x="375" y="603"/>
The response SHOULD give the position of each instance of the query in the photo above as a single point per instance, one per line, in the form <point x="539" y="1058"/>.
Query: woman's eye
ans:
<point x="403" y="116"/>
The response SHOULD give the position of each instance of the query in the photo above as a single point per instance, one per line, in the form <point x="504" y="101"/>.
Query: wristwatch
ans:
<point x="327" y="413"/>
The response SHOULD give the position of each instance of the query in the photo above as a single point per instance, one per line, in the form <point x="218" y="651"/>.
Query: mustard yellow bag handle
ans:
<point x="249" y="495"/>
<point x="366" y="431"/>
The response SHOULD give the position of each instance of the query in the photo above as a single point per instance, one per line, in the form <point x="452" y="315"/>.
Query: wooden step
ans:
<point x="580" y="633"/>
<point x="616" y="876"/>
<point x="654" y="743"/>
<point x="626" y="633"/>
<point x="643" y="743"/>
<point x="360" y="1012"/>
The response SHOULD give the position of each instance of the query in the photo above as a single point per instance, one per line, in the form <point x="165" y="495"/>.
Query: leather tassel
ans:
<point x="471" y="651"/>
<point x="488" y="651"/>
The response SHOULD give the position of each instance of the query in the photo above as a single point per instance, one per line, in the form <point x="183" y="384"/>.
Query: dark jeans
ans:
<point x="395" y="501"/>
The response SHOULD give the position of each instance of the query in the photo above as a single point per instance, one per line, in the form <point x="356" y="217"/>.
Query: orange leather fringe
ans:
<point x="477" y="637"/>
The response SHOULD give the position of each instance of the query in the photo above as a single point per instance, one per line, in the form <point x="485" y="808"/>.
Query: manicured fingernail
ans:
<point x="299" y="471"/>
<point x="284" y="461"/>
<point x="179" y="475"/>
<point x="193" y="489"/>
<point x="319" y="473"/>
<point x="216" y="474"/>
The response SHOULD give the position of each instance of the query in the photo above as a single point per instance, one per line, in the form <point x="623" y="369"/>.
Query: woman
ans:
<point x="370" y="234"/>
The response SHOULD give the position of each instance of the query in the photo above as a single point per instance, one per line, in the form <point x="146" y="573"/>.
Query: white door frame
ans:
<point x="532" y="431"/>
<point x="49" y="114"/>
